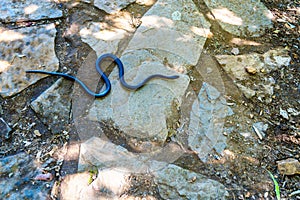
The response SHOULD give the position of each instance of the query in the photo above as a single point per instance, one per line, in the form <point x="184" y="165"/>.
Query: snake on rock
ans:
<point x="105" y="78"/>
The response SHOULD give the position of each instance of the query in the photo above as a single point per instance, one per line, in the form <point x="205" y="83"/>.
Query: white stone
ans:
<point x="284" y="113"/>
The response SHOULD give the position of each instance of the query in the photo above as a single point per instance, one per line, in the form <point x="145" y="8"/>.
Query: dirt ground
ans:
<point x="242" y="178"/>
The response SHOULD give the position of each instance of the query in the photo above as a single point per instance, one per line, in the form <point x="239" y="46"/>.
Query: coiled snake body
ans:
<point x="105" y="78"/>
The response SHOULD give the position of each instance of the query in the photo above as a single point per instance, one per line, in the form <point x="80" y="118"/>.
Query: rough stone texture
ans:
<point x="109" y="184"/>
<point x="136" y="112"/>
<point x="104" y="154"/>
<point x="23" y="49"/>
<point x="261" y="128"/>
<point x="104" y="38"/>
<point x="28" y="10"/>
<point x="73" y="185"/>
<point x="54" y="105"/>
<point x="5" y="130"/>
<point x="206" y="122"/>
<point x="263" y="63"/>
<point x="178" y="183"/>
<point x="238" y="19"/>
<point x="16" y="174"/>
<point x="174" y="30"/>
<point x="289" y="166"/>
<point x="160" y="45"/>
<point x="111" y="6"/>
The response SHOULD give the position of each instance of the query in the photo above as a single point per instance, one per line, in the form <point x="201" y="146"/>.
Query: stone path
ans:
<point x="168" y="41"/>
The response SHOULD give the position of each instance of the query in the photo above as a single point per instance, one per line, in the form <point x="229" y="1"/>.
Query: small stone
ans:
<point x="176" y="16"/>
<point x="289" y="166"/>
<point x="249" y="93"/>
<point x="5" y="130"/>
<point x="284" y="114"/>
<point x="260" y="128"/>
<point x="251" y="70"/>
<point x="235" y="51"/>
<point x="37" y="133"/>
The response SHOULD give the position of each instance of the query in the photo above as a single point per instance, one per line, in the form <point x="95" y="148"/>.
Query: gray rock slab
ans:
<point x="23" y="49"/>
<point x="103" y="38"/>
<point x="28" y="10"/>
<point x="235" y="66"/>
<point x="142" y="113"/>
<point x="110" y="6"/>
<point x="177" y="183"/>
<point x="206" y="122"/>
<point x="102" y="153"/>
<point x="163" y="44"/>
<point x="5" y="130"/>
<point x="16" y="174"/>
<point x="241" y="18"/>
<point x="54" y="105"/>
<point x="174" y="30"/>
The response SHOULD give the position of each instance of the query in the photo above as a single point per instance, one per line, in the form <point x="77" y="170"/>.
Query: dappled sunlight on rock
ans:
<point x="7" y="35"/>
<point x="226" y="16"/>
<point x="35" y="51"/>
<point x="4" y="65"/>
<point x="238" y="19"/>
<point x="28" y="10"/>
<point x="241" y="42"/>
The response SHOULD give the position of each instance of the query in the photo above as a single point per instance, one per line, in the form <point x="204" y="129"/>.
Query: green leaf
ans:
<point x="277" y="189"/>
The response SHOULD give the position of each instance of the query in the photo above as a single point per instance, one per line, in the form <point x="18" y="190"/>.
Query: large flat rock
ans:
<point x="54" y="105"/>
<point x="105" y="38"/>
<point x="17" y="174"/>
<point x="102" y="153"/>
<point x="207" y="119"/>
<point x="173" y="30"/>
<point x="28" y="10"/>
<point x="170" y="38"/>
<point x="241" y="18"/>
<point x="23" y="49"/>
<point x="177" y="183"/>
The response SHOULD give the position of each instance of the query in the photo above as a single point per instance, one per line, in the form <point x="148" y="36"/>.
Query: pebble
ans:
<point x="235" y="51"/>
<point x="37" y="133"/>
<point x="284" y="113"/>
<point x="289" y="166"/>
<point x="5" y="130"/>
<point x="260" y="128"/>
<point x="251" y="70"/>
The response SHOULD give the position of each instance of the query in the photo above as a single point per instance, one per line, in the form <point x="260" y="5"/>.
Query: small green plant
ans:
<point x="277" y="189"/>
<point x="93" y="174"/>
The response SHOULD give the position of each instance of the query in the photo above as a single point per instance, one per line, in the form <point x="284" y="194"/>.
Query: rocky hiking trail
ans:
<point x="226" y="128"/>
